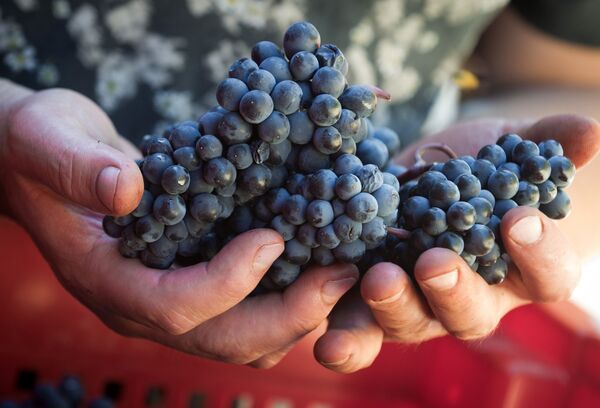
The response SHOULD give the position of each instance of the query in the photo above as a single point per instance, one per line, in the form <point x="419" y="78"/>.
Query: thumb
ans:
<point x="60" y="154"/>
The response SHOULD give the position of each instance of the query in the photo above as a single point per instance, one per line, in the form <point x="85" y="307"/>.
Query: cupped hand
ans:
<point x="451" y="298"/>
<point x="63" y="165"/>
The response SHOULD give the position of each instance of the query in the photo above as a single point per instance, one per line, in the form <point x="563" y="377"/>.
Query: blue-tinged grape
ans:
<point x="283" y="273"/>
<point x="233" y="129"/>
<point x="158" y="145"/>
<point x="387" y="199"/>
<point x="284" y="228"/>
<point x="421" y="241"/>
<point x="512" y="167"/>
<point x="550" y="148"/>
<point x="307" y="235"/>
<point x="394" y="169"/>
<point x="427" y="181"/>
<point x="311" y="160"/>
<point x="460" y="216"/>
<point x="413" y="210"/>
<point x="148" y="228"/>
<point x="558" y="208"/>
<point x="562" y="171"/>
<point x="347" y="186"/>
<point x="483" y="209"/>
<point x="111" y="228"/>
<point x="286" y="97"/>
<point x="182" y="136"/>
<point x="186" y="157"/>
<point x="488" y="196"/>
<point x="163" y="248"/>
<point x="391" y="180"/>
<point x="208" y="123"/>
<point x="228" y="205"/>
<point x="547" y="191"/>
<point x="278" y="153"/>
<point x="371" y="178"/>
<point x="296" y="253"/>
<point x="494" y="225"/>
<point x="329" y="55"/>
<point x="451" y="241"/>
<point x="169" y="209"/>
<point x="301" y="36"/>
<point x="303" y="65"/>
<point x="278" y="67"/>
<point x="479" y="240"/>
<point x="144" y="207"/>
<point x="208" y="147"/>
<point x="495" y="273"/>
<point x="469" y="259"/>
<point x="325" y="110"/>
<point x="528" y="194"/>
<point x="229" y="93"/>
<point x="196" y="229"/>
<point x="175" y="180"/>
<point x="265" y="49"/>
<point x="339" y="206"/>
<point x="347" y="229"/>
<point x="437" y="167"/>
<point x="443" y="194"/>
<point x="319" y="213"/>
<point x="362" y="207"/>
<point x="503" y="184"/>
<point x="523" y="150"/>
<point x="470" y="160"/>
<point x="346" y="163"/>
<point x="504" y="206"/>
<point x="301" y="128"/>
<point x="255" y="179"/>
<point x="391" y="220"/>
<point x="348" y="124"/>
<point x="349" y="252"/>
<point x="433" y="221"/>
<point x="240" y="155"/>
<point x="328" y="80"/>
<point x="274" y="128"/>
<point x="327" y="140"/>
<point x="256" y="106"/>
<point x="348" y="147"/>
<point x="322" y="256"/>
<point x="227" y="191"/>
<point x="482" y="169"/>
<point x="493" y="153"/>
<point x="153" y="261"/>
<point x="71" y="388"/>
<point x="307" y="95"/>
<point x="454" y="168"/>
<point x="242" y="68"/>
<point x="294" y="183"/>
<point x="262" y="211"/>
<point x="489" y="258"/>
<point x="189" y="248"/>
<point x="469" y="186"/>
<point x="360" y="99"/>
<point x="260" y="150"/>
<point x="363" y="131"/>
<point x="275" y="199"/>
<point x="177" y="232"/>
<point x="508" y="142"/>
<point x="294" y="209"/>
<point x="373" y="151"/>
<point x="535" y="169"/>
<point x="278" y="176"/>
<point x="374" y="232"/>
<point x="205" y="208"/>
<point x="198" y="184"/>
<point x="219" y="172"/>
<point x="154" y="166"/>
<point x="390" y="139"/>
<point x="327" y="237"/>
<point x="261" y="80"/>
<point x="132" y="240"/>
<point x="322" y="184"/>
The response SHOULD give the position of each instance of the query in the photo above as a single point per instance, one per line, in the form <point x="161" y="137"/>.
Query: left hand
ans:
<point x="544" y="267"/>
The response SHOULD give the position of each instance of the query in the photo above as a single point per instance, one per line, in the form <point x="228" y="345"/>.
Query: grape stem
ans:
<point x="398" y="232"/>
<point x="380" y="93"/>
<point x="421" y="166"/>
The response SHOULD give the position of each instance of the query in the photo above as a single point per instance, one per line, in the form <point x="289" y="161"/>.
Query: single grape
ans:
<point x="348" y="124"/>
<point x="495" y="273"/>
<point x="163" y="248"/>
<point x="558" y="208"/>
<point x="261" y="80"/>
<point x="256" y="106"/>
<point x="433" y="221"/>
<point x="479" y="240"/>
<point x="278" y="153"/>
<point x="322" y="184"/>
<point x="339" y="206"/>
<point x="523" y="150"/>
<point x="286" y="97"/>
<point x="443" y="194"/>
<point x="242" y="68"/>
<point x="413" y="210"/>
<point x="132" y="240"/>
<point x="260" y="151"/>
<point x="329" y="55"/>
<point x="327" y="140"/>
<point x="322" y="256"/>
<point x="489" y="258"/>
<point x="347" y="229"/>
<point x="219" y="172"/>
<point x="349" y="252"/>
<point x="153" y="261"/>
<point x="460" y="216"/>
<point x="470" y="160"/>
<point x="278" y="67"/>
<point x="508" y="142"/>
<point x="301" y="36"/>
<point x="111" y="229"/>
<point x="284" y="228"/>
<point x="205" y="208"/>
<point x="346" y="163"/>
<point x="469" y="186"/>
<point x="265" y="49"/>
<point x="196" y="229"/>
<point x="175" y="180"/>
<point x="390" y="139"/>
<point x="319" y="213"/>
<point x="503" y="184"/>
<point x="504" y="206"/>
<point x="374" y="232"/>
<point x="301" y="128"/>
<point x="303" y="65"/>
<point x="547" y="191"/>
<point x="296" y="253"/>
<point x="149" y="228"/>
<point x="387" y="199"/>
<point x="229" y="93"/>
<point x="528" y="194"/>
<point x="550" y="148"/>
<point x="307" y="95"/>
<point x="275" y="128"/>
<point x="255" y="179"/>
<point x="182" y="136"/>
<point x="421" y="241"/>
<point x="451" y="241"/>
<point x="373" y="151"/>
<point x="283" y="273"/>
<point x="177" y="232"/>
<point x="392" y="181"/>
<point x="154" y="166"/>
<point x="325" y="110"/>
<point x="347" y="186"/>
<point x="158" y="145"/>
<point x="311" y="160"/>
<point x="468" y="258"/>
<point x="233" y="129"/>
<point x="362" y="207"/>
<point x="186" y="157"/>
<point x="535" y="169"/>
<point x="562" y="171"/>
<point x="327" y="237"/>
<point x="348" y="147"/>
<point x="493" y="153"/>
<point x="482" y="169"/>
<point x="427" y="181"/>
<point x="512" y="167"/>
<point x="371" y="178"/>
<point x="294" y="209"/>
<point x="145" y="205"/>
<point x="240" y="155"/>
<point x="198" y="184"/>
<point x="328" y="80"/>
<point x="483" y="209"/>
<point x="169" y="209"/>
<point x="359" y="99"/>
<point x="454" y="168"/>
<point x="488" y="196"/>
<point x="209" y="122"/>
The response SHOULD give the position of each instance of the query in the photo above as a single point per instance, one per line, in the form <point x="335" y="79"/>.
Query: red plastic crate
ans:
<point x="539" y="356"/>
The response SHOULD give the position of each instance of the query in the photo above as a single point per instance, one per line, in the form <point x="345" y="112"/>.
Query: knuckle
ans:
<point x="475" y="333"/>
<point x="174" y="322"/>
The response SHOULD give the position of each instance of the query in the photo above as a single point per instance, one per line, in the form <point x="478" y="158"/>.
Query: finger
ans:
<point x="264" y="324"/>
<point x="579" y="136"/>
<point x="549" y="264"/>
<point x="402" y="313"/>
<point x="272" y="359"/>
<point x="62" y="155"/>
<point x="180" y="299"/>
<point x="462" y="301"/>
<point x="352" y="340"/>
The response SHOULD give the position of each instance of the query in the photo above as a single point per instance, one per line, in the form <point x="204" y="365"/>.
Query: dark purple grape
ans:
<point x="154" y="166"/>
<point x="451" y="241"/>
<point x="158" y="145"/>
<point x="325" y="110"/>
<point x="219" y="172"/>
<point x="349" y="252"/>
<point x="301" y="36"/>
<point x="186" y="157"/>
<point x="535" y="169"/>
<point x="443" y="194"/>
<point x="454" y="168"/>
<point x="362" y="207"/>
<point x="523" y="150"/>
<point x="495" y="273"/>
<point x="307" y="95"/>
<point x="488" y="196"/>
<point x="265" y="49"/>
<point x="256" y="106"/>
<point x="460" y="216"/>
<point x="283" y="273"/>
<point x="196" y="229"/>
<point x="294" y="209"/>
<point x="503" y="184"/>
<point x="346" y="163"/>
<point x="260" y="150"/>
<point x="371" y="178"/>
<point x="321" y="184"/>
<point x="262" y="211"/>
<point x="328" y="80"/>
<point x="149" y="228"/>
<point x="390" y="139"/>
<point x="562" y="171"/>
<point x="261" y="80"/>
<point x="327" y="140"/>
<point x="347" y="186"/>
<point x="275" y="128"/>
<point x="145" y="205"/>
<point x="255" y="179"/>
<point x="301" y="128"/>
<point x="329" y="55"/>
<point x="547" y="191"/>
<point x="528" y="194"/>
<point x="319" y="213"/>
<point x="322" y="256"/>
<point x="346" y="229"/>
<point x="489" y="258"/>
<point x="278" y="153"/>
<point x="278" y="67"/>
<point x="479" y="240"/>
<point x="373" y="232"/>
<point x="483" y="209"/>
<point x="468" y="258"/>
<point x="327" y="237"/>
<point x="131" y="240"/>
<point x="433" y="221"/>
<point x="163" y="248"/>
<point x="558" y="208"/>
<point x="208" y="123"/>
<point x="482" y="169"/>
<point x="504" y="206"/>
<point x="508" y="142"/>
<point x="339" y="207"/>
<point x="198" y="184"/>
<point x="470" y="160"/>
<point x="307" y="235"/>
<point x="373" y="151"/>
<point x="240" y="155"/>
<point x="311" y="160"/>
<point x="111" y="228"/>
<point x="189" y="248"/>
<point x="512" y="167"/>
<point x="360" y="99"/>
<point x="392" y="181"/>
<point x="284" y="228"/>
<point x="205" y="208"/>
<point x="421" y="241"/>
<point x="348" y="124"/>
<point x="279" y="175"/>
<point x="296" y="253"/>
<point x="242" y="68"/>
<point x="177" y="232"/>
<point x="303" y="65"/>
<point x="286" y="97"/>
<point x="152" y="261"/>
<point x="348" y="147"/>
<point x="233" y="129"/>
<point x="550" y="148"/>
<point x="413" y="210"/>
<point x="182" y="136"/>
<point x="469" y="186"/>
<point x="169" y="209"/>
<point x="427" y="181"/>
<point x="493" y="153"/>
<point x="229" y="93"/>
<point x="387" y="199"/>
<point x="175" y="180"/>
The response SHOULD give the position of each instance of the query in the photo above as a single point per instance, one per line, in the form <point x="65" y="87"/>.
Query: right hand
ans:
<point x="62" y="165"/>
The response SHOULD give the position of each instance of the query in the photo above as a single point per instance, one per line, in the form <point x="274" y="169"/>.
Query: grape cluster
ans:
<point x="459" y="204"/>
<point x="69" y="392"/>
<point x="280" y="113"/>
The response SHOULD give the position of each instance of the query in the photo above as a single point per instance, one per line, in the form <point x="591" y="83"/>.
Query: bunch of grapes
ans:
<point x="459" y="204"/>
<point x="290" y="147"/>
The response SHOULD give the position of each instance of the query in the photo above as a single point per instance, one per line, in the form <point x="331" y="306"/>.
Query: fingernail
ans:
<point x="106" y="186"/>
<point x="527" y="230"/>
<point x="444" y="281"/>
<point x="389" y="299"/>
<point x="334" y="289"/>
<point x="337" y="363"/>
<point x="265" y="256"/>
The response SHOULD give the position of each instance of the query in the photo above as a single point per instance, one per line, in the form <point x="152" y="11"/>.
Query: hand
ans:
<point x="544" y="265"/>
<point x="62" y="163"/>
